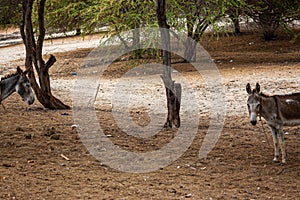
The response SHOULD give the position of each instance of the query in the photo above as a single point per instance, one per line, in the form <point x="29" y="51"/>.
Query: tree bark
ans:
<point x="193" y="37"/>
<point x="173" y="90"/>
<point x="137" y="53"/>
<point x="34" y="58"/>
<point x="234" y="14"/>
<point x="269" y="23"/>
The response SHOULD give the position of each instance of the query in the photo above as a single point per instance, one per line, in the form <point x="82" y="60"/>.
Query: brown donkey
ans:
<point x="277" y="110"/>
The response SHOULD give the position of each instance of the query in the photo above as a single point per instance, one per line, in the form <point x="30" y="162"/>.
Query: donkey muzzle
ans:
<point x="29" y="100"/>
<point x="253" y="122"/>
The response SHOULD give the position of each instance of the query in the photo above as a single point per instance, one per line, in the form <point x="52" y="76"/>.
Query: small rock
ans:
<point x="19" y="129"/>
<point x="258" y="188"/>
<point x="188" y="195"/>
<point x="62" y="164"/>
<point x="49" y="131"/>
<point x="74" y="126"/>
<point x="28" y="136"/>
<point x="7" y="165"/>
<point x="55" y="137"/>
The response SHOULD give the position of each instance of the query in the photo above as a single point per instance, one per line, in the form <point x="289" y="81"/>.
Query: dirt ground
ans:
<point x="43" y="157"/>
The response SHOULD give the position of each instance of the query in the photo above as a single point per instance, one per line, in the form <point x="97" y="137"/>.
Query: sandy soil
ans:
<point x="43" y="157"/>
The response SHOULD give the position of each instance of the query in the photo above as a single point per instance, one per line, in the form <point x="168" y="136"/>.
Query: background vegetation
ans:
<point x="192" y="16"/>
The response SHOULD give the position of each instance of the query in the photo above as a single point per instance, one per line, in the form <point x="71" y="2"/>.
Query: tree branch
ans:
<point x="22" y="24"/>
<point x="50" y="62"/>
<point x="41" y="37"/>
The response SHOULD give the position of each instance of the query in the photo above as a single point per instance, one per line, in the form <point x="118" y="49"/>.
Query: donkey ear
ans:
<point x="26" y="71"/>
<point x="248" y="88"/>
<point x="257" y="88"/>
<point x="19" y="70"/>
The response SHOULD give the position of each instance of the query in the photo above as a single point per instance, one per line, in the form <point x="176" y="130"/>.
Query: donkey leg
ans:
<point x="282" y="146"/>
<point x="275" y="140"/>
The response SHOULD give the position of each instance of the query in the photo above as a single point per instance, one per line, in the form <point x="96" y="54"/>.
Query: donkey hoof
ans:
<point x="275" y="160"/>
<point x="283" y="162"/>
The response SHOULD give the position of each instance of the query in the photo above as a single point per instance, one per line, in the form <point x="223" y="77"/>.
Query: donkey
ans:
<point x="17" y="82"/>
<point x="277" y="110"/>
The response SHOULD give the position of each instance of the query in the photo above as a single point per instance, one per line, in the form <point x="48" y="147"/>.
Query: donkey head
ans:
<point x="23" y="87"/>
<point x="253" y="102"/>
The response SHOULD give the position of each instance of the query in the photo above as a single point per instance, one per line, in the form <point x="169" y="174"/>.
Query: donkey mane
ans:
<point x="9" y="75"/>
<point x="264" y="95"/>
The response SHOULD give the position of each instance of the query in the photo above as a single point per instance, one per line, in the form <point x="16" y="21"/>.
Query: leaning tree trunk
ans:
<point x="173" y="90"/>
<point x="34" y="58"/>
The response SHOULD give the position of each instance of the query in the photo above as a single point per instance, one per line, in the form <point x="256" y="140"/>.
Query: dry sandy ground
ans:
<point x="43" y="156"/>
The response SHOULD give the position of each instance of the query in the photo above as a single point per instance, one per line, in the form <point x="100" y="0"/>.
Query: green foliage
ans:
<point x="119" y="15"/>
<point x="271" y="14"/>
<point x="191" y="16"/>
<point x="64" y="15"/>
<point x="194" y="16"/>
<point x="9" y="12"/>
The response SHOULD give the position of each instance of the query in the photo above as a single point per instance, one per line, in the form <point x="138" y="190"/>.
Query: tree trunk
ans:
<point x="236" y="23"/>
<point x="234" y="14"/>
<point x="193" y="38"/>
<point x="190" y="50"/>
<point x="173" y="90"/>
<point x="137" y="53"/>
<point x="269" y="23"/>
<point x="189" y="46"/>
<point x="34" y="56"/>
<point x="237" y="28"/>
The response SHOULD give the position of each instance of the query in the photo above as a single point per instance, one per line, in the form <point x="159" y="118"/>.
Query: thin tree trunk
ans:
<point x="193" y="38"/>
<point x="136" y="43"/>
<point x="234" y="16"/>
<point x="269" y="23"/>
<point x="189" y="45"/>
<point x="34" y="56"/>
<point x="173" y="90"/>
<point x="236" y="23"/>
